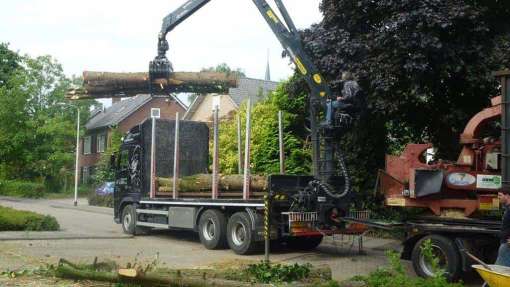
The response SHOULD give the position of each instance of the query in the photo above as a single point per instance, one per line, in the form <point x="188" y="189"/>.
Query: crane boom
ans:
<point x="326" y="155"/>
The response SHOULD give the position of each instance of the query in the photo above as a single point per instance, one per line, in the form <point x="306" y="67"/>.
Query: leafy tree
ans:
<point x="425" y="67"/>
<point x="103" y="170"/>
<point x="37" y="135"/>
<point x="221" y="68"/>
<point x="264" y="139"/>
<point x="224" y="68"/>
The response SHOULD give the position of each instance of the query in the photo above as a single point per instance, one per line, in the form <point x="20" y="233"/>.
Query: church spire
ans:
<point x="268" y="72"/>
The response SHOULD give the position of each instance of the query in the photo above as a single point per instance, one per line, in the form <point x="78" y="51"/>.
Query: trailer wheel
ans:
<point x="445" y="250"/>
<point x="212" y="228"/>
<point x="304" y="242"/>
<point x="239" y="234"/>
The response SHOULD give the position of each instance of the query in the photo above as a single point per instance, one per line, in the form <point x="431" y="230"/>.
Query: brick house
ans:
<point x="201" y="108"/>
<point x="123" y="115"/>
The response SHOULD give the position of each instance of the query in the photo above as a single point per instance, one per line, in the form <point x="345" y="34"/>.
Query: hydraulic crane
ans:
<point x="330" y="172"/>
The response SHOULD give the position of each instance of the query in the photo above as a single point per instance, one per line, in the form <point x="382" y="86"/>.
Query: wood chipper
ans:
<point x="457" y="197"/>
<point x="468" y="184"/>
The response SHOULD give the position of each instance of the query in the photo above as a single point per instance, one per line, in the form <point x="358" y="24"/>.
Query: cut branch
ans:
<point x="110" y="85"/>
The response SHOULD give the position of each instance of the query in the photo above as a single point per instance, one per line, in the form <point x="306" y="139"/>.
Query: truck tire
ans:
<point x="128" y="219"/>
<point x="239" y="234"/>
<point x="212" y="229"/>
<point x="445" y="250"/>
<point x="304" y="242"/>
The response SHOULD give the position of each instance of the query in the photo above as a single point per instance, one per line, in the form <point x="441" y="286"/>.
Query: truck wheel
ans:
<point x="128" y="219"/>
<point x="445" y="250"/>
<point x="304" y="242"/>
<point x="239" y="234"/>
<point x="212" y="229"/>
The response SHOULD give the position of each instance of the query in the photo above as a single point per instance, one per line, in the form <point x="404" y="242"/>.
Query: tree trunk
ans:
<point x="203" y="182"/>
<point x="148" y="279"/>
<point x="107" y="85"/>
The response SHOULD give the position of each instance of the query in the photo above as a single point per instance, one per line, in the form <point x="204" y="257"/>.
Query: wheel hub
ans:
<point x="426" y="264"/>
<point x="239" y="234"/>
<point x="209" y="230"/>
<point x="127" y="221"/>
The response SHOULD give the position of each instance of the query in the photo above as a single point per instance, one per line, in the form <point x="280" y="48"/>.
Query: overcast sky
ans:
<point x="115" y="35"/>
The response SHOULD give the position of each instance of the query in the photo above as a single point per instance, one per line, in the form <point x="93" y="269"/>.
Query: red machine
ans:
<point x="469" y="184"/>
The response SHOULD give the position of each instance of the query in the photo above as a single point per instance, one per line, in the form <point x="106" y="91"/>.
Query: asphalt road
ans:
<point x="89" y="232"/>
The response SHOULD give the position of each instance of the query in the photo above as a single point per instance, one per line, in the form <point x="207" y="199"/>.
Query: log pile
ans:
<point x="110" y="85"/>
<point x="200" y="185"/>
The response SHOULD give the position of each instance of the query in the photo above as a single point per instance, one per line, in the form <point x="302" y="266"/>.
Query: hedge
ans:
<point x="19" y="220"/>
<point x="22" y="188"/>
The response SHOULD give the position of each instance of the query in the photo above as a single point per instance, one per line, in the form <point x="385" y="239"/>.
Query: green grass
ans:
<point x="18" y="220"/>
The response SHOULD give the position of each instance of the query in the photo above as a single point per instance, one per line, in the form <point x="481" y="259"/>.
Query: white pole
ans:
<point x="176" y="158"/>
<point x="280" y="138"/>
<point x="239" y="145"/>
<point x="215" y="191"/>
<point x="153" y="153"/>
<point x="77" y="167"/>
<point x="246" y="185"/>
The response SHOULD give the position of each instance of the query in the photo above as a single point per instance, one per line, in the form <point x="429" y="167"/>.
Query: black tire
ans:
<point x="212" y="229"/>
<point x="304" y="242"/>
<point x="240" y="235"/>
<point x="446" y="251"/>
<point x="129" y="226"/>
<point x="128" y="219"/>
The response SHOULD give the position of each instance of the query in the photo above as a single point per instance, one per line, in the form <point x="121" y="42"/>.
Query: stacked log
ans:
<point x="200" y="185"/>
<point x="110" y="85"/>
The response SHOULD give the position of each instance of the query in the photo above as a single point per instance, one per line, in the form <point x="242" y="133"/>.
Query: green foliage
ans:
<point x="100" y="200"/>
<point x="396" y="275"/>
<point x="425" y="67"/>
<point x="17" y="220"/>
<point x="104" y="172"/>
<point x="37" y="135"/>
<point x="264" y="139"/>
<point x="224" y="68"/>
<point x="265" y="272"/>
<point x="22" y="188"/>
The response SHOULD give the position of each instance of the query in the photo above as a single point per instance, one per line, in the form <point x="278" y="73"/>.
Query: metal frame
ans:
<point x="175" y="184"/>
<point x="215" y="177"/>
<point x="204" y="203"/>
<point x="246" y="185"/>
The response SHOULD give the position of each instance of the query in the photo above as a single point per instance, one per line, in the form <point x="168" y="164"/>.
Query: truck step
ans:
<point x="149" y="211"/>
<point x="149" y="224"/>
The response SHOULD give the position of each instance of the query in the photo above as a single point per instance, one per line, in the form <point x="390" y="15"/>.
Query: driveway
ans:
<point x="89" y="232"/>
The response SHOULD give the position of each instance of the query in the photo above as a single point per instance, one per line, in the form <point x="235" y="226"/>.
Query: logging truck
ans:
<point x="162" y="183"/>
<point x="162" y="178"/>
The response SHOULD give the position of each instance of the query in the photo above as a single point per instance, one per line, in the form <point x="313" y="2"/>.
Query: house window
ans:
<point x="155" y="113"/>
<point x="85" y="175"/>
<point x="87" y="145"/>
<point x="101" y="143"/>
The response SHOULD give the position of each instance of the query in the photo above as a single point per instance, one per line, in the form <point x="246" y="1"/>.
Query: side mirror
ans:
<point x="112" y="161"/>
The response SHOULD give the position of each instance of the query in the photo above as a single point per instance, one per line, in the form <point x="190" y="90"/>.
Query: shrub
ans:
<point x="100" y="200"/>
<point x="18" y="220"/>
<point x="22" y="188"/>
<point x="397" y="276"/>
<point x="265" y="272"/>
